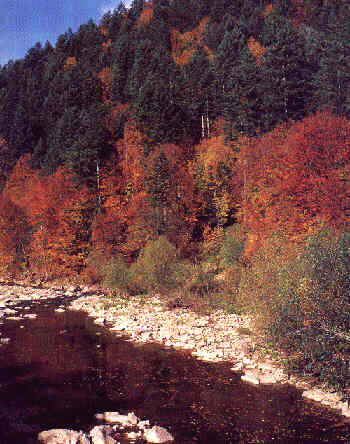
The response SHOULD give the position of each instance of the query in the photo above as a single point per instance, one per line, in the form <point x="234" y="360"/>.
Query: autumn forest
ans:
<point x="196" y="147"/>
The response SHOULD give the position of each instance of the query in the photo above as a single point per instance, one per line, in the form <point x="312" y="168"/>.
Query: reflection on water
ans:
<point x="60" y="369"/>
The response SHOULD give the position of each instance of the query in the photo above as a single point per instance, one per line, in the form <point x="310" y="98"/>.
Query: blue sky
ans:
<point x="26" y="22"/>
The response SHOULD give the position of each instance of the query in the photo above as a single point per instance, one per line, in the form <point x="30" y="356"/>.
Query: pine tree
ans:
<point x="158" y="109"/>
<point x="158" y="184"/>
<point x="285" y="85"/>
<point x="242" y="110"/>
<point x="200" y="105"/>
<point x="331" y="82"/>
<point x="143" y="63"/>
<point x="122" y="63"/>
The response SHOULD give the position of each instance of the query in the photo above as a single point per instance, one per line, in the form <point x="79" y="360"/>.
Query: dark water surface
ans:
<point x="60" y="369"/>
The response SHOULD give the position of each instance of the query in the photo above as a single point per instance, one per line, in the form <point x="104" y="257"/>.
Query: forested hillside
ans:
<point x="191" y="145"/>
<point x="160" y="121"/>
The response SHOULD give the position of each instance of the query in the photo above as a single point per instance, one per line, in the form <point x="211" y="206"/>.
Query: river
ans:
<point x="60" y="369"/>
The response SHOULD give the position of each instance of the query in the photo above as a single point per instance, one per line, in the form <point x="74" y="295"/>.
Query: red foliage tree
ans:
<point x="297" y="177"/>
<point x="14" y="235"/>
<point x="59" y="214"/>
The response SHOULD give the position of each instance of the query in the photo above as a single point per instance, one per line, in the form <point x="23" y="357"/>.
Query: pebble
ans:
<point x="31" y="316"/>
<point x="251" y="378"/>
<point x="60" y="310"/>
<point x="157" y="435"/>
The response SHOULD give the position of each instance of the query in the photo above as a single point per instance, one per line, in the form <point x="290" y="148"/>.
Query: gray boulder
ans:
<point x="157" y="435"/>
<point x="63" y="436"/>
<point x="102" y="435"/>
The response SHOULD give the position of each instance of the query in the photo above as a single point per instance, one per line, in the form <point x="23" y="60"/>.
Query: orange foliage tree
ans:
<point x="106" y="78"/>
<point x="183" y="46"/>
<point x="145" y="190"/>
<point x="59" y="215"/>
<point x="123" y="199"/>
<point x="172" y="194"/>
<point x="267" y="10"/>
<point x="14" y="235"/>
<point x="214" y="173"/>
<point x="297" y="177"/>
<point x="146" y="14"/>
<point x="71" y="62"/>
<point x="257" y="49"/>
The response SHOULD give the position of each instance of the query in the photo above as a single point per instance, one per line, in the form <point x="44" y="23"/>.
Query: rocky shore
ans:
<point x="213" y="337"/>
<point x="115" y="427"/>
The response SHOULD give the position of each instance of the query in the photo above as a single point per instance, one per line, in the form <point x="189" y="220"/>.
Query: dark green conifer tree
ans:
<point x="285" y="83"/>
<point x="158" y="185"/>
<point x="331" y="82"/>
<point x="158" y="109"/>
<point x="242" y="109"/>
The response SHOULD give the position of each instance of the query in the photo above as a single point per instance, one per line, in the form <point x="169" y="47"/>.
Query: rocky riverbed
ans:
<point x="129" y="426"/>
<point x="212" y="338"/>
<point x="215" y="337"/>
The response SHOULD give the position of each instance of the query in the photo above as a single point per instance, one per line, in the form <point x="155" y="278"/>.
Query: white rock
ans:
<point x="165" y="334"/>
<point x="266" y="366"/>
<point x="143" y="424"/>
<point x="9" y="311"/>
<point x="115" y="417"/>
<point x="102" y="435"/>
<point x="63" y="436"/>
<point x="118" y="327"/>
<point x="133" y="435"/>
<point x="250" y="378"/>
<point x="147" y="335"/>
<point x="279" y="375"/>
<point x="237" y="367"/>
<point x="267" y="379"/>
<point x="157" y="435"/>
<point x="31" y="316"/>
<point x="345" y="409"/>
<point x="314" y="394"/>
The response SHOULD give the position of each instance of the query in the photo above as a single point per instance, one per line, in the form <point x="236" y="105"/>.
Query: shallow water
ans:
<point x="60" y="369"/>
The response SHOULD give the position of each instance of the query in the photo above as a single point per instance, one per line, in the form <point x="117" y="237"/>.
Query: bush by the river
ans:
<point x="298" y="292"/>
<point x="301" y="296"/>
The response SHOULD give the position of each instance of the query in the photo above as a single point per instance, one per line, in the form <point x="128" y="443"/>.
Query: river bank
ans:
<point x="214" y="337"/>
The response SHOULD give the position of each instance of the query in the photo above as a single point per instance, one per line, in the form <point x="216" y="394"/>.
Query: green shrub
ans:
<point x="232" y="247"/>
<point x="259" y="288"/>
<point x="156" y="268"/>
<point x="200" y="280"/>
<point x="116" y="274"/>
<point x="305" y="304"/>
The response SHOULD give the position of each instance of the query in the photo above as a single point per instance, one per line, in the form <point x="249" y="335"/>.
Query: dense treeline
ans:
<point x="209" y="146"/>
